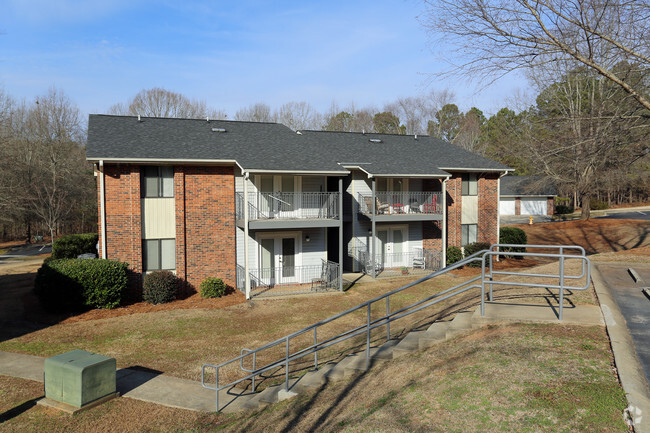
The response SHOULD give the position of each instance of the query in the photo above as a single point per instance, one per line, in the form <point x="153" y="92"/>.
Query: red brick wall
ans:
<point x="517" y="205"/>
<point x="550" y="206"/>
<point x="488" y="208"/>
<point x="123" y="226"/>
<point x="454" y="206"/>
<point x="205" y="223"/>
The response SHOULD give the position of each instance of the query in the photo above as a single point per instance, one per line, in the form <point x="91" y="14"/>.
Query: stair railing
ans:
<point x="479" y="282"/>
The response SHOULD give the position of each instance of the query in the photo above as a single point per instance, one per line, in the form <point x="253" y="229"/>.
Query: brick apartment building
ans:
<point x="262" y="206"/>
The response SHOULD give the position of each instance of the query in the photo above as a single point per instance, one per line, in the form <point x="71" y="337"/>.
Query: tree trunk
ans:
<point x="585" y="212"/>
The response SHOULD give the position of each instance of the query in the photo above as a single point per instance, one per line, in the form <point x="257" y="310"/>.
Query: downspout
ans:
<point x="341" y="234"/>
<point x="374" y="246"/>
<point x="247" y="284"/>
<point x="102" y="207"/>
<point x="443" y="253"/>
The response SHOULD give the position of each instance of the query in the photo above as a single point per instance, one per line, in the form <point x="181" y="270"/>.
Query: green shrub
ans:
<point x="213" y="287"/>
<point x="454" y="254"/>
<point x="562" y="209"/>
<point x="69" y="247"/>
<point x="512" y="235"/>
<point x="598" y="204"/>
<point x="475" y="247"/>
<point x="159" y="287"/>
<point x="78" y="284"/>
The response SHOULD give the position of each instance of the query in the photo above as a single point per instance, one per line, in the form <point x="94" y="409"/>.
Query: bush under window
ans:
<point x="473" y="248"/>
<point x="159" y="287"/>
<point x="454" y="254"/>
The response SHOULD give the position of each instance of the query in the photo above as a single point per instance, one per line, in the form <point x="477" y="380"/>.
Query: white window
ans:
<point x="159" y="254"/>
<point x="157" y="181"/>
<point x="468" y="233"/>
<point x="470" y="184"/>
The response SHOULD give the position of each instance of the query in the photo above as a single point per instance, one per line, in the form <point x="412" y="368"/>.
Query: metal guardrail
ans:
<point x="288" y="205"/>
<point x="292" y="280"/>
<point x="396" y="203"/>
<point x="479" y="282"/>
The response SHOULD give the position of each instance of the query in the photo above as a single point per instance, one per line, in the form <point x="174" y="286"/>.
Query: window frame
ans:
<point x="159" y="245"/>
<point x="162" y="173"/>
<point x="469" y="184"/>
<point x="465" y="234"/>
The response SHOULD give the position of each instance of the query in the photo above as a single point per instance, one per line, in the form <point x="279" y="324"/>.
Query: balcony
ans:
<point x="417" y="261"/>
<point x="402" y="206"/>
<point x="280" y="210"/>
<point x="290" y="280"/>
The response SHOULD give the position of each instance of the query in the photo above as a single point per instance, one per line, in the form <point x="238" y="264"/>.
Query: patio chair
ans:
<point x="382" y="207"/>
<point x="414" y="206"/>
<point x="320" y="283"/>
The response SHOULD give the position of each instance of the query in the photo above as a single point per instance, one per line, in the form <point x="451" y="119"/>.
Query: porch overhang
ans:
<point x="283" y="224"/>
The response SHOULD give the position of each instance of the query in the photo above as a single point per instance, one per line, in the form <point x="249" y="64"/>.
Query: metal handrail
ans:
<point x="473" y="283"/>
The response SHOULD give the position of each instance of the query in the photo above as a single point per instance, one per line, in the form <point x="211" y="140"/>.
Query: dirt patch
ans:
<point x="193" y="302"/>
<point x="594" y="235"/>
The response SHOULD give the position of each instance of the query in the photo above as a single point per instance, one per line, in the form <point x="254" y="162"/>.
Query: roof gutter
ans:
<point x="325" y="172"/>
<point x="162" y="160"/>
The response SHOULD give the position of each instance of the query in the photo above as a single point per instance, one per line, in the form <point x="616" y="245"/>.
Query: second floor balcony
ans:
<point x="408" y="205"/>
<point x="290" y="209"/>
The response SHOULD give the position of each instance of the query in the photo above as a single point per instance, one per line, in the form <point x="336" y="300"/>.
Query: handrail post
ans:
<point x="286" y="372"/>
<point x="387" y="318"/>
<point x="216" y="386"/>
<point x="315" y="349"/>
<point x="561" y="282"/>
<point x="254" y="359"/>
<point x="483" y="286"/>
<point x="368" y="339"/>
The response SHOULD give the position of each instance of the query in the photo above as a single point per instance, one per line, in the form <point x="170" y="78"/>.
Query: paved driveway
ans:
<point x="27" y="250"/>
<point x="634" y="305"/>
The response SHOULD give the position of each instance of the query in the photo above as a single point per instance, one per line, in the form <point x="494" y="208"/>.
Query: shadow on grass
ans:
<point x="18" y="410"/>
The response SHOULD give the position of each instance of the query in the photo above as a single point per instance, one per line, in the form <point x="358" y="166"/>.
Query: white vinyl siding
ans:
<point x="507" y="206"/>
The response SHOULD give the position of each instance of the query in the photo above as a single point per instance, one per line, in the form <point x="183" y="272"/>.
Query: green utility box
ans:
<point x="78" y="378"/>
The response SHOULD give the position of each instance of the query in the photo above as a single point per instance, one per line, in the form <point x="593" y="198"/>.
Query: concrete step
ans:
<point x="461" y="323"/>
<point x="385" y="351"/>
<point x="273" y="394"/>
<point x="435" y="333"/>
<point x="409" y="344"/>
<point x="310" y="381"/>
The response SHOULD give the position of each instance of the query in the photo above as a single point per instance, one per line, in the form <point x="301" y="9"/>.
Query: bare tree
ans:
<point x="499" y="36"/>
<point x="417" y="111"/>
<point x="298" y="115"/>
<point x="158" y="102"/>
<point x="258" y="112"/>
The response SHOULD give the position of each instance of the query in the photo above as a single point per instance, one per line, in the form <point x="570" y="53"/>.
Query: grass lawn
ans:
<point x="503" y="378"/>
<point x="515" y="378"/>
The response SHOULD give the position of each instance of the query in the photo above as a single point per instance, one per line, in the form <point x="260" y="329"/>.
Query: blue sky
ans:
<point x="229" y="53"/>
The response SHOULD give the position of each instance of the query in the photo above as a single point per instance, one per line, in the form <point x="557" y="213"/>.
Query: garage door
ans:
<point x="507" y="206"/>
<point x="533" y="206"/>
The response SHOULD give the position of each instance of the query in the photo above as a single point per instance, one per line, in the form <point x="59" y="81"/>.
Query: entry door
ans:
<point x="278" y="197"/>
<point x="278" y="259"/>
<point x="391" y="246"/>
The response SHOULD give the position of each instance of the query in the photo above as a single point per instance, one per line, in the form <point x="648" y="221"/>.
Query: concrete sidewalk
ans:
<point x="139" y="384"/>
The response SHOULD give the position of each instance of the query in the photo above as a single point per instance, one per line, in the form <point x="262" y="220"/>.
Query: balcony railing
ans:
<point x="290" y="280"/>
<point x="288" y="205"/>
<point x="399" y="203"/>
<point x="415" y="261"/>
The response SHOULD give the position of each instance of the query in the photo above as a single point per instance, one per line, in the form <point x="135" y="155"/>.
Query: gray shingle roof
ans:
<point x="527" y="186"/>
<point x="272" y="146"/>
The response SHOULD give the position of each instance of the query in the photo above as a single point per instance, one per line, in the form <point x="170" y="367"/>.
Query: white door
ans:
<point x="278" y="196"/>
<point x="278" y="259"/>
<point x="533" y="206"/>
<point x="507" y="206"/>
<point x="391" y="247"/>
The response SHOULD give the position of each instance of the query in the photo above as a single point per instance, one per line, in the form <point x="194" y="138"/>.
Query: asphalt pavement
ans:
<point x="634" y="215"/>
<point x="26" y="250"/>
